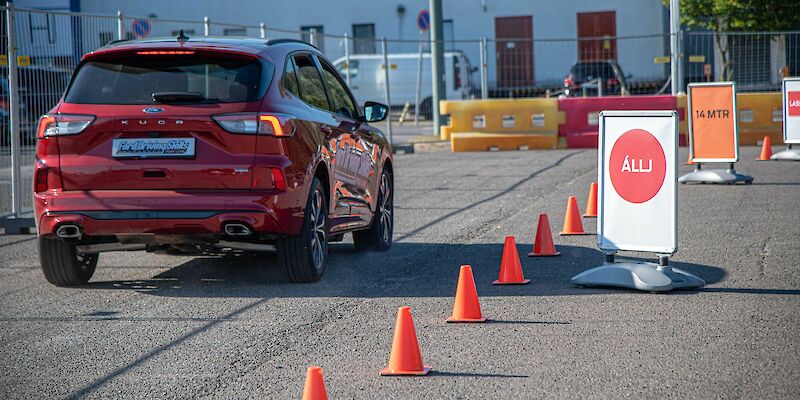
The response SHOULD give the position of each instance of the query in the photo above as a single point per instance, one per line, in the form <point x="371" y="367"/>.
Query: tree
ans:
<point x="721" y="16"/>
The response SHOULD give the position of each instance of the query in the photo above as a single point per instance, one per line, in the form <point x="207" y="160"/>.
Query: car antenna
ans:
<point x="182" y="37"/>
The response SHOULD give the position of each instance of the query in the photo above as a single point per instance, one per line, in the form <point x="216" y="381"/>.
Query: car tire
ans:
<point x="63" y="265"/>
<point x="378" y="237"/>
<point x="426" y="108"/>
<point x="303" y="256"/>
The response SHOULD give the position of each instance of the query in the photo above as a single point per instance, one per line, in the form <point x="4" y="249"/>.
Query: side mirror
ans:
<point x="375" y="112"/>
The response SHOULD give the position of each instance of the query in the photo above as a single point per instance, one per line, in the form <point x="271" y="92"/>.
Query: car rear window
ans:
<point x="134" y="79"/>
<point x="593" y="70"/>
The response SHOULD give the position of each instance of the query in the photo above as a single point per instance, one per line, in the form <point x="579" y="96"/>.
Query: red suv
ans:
<point x="188" y="145"/>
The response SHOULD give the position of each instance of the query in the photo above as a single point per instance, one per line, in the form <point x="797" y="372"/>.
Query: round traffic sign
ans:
<point x="637" y="166"/>
<point x="424" y="20"/>
<point x="140" y="28"/>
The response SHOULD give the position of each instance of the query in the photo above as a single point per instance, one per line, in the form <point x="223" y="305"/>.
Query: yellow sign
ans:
<point x="697" y="59"/>
<point x="23" y="61"/>
<point x="661" y="60"/>
<point x="3" y="59"/>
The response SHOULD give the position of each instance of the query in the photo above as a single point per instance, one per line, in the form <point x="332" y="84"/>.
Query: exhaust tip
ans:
<point x="68" y="231"/>
<point x="237" y="229"/>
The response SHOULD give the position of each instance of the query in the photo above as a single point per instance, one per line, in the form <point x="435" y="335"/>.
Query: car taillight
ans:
<point x="568" y="81"/>
<point x="278" y="125"/>
<point x="279" y="179"/>
<point x="456" y="74"/>
<point x="40" y="180"/>
<point x="45" y="177"/>
<point x="612" y="81"/>
<point x="63" y="124"/>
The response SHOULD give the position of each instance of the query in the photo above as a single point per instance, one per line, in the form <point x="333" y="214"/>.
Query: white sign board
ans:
<point x="791" y="110"/>
<point x="636" y="165"/>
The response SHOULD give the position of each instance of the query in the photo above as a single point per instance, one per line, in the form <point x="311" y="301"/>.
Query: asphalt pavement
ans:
<point x="158" y="326"/>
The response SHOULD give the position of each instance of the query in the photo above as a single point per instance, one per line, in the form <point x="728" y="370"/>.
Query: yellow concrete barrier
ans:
<point x="759" y="115"/>
<point x="502" y="116"/>
<point x="473" y="141"/>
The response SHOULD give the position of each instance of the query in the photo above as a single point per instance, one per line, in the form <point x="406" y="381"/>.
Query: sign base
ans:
<point x="724" y="176"/>
<point x="787" y="155"/>
<point x="649" y="277"/>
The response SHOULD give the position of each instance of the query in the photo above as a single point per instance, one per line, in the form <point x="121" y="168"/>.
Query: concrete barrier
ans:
<point x="500" y="117"/>
<point x="760" y="114"/>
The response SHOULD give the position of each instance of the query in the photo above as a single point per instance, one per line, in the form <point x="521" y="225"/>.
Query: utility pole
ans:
<point x="437" y="61"/>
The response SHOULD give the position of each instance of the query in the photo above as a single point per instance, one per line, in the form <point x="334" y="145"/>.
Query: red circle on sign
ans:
<point x="637" y="166"/>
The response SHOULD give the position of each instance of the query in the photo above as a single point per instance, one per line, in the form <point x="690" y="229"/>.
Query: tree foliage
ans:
<point x="740" y="15"/>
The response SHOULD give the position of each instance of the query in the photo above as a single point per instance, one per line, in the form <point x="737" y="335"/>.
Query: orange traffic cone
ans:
<point x="315" y="386"/>
<point x="466" y="307"/>
<point x="543" y="245"/>
<point x="510" y="267"/>
<point x="572" y="221"/>
<point x="766" y="150"/>
<point x="405" y="358"/>
<point x="591" y="204"/>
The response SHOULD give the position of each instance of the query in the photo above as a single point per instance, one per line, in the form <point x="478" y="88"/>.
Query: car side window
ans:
<point x="312" y="90"/>
<point x="290" y="78"/>
<point x="342" y="103"/>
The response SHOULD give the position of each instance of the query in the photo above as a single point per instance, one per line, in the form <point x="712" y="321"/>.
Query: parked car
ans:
<point x="367" y="77"/>
<point x="193" y="144"/>
<point x="584" y="77"/>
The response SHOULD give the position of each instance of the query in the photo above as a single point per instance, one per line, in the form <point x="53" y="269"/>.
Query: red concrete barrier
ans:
<point x="580" y="128"/>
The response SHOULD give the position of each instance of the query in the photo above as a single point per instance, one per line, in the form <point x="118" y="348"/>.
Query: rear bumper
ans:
<point x="101" y="213"/>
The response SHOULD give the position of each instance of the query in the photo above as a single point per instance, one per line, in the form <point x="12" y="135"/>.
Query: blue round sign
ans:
<point x="424" y="20"/>
<point x="140" y="28"/>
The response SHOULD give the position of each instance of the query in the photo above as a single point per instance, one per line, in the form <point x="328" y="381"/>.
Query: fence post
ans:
<point x="419" y="82"/>
<point x="437" y="62"/>
<point x="206" y="26"/>
<point x="13" y="99"/>
<point x="484" y="70"/>
<point x="263" y="28"/>
<point x="312" y="37"/>
<point x="347" y="58"/>
<point x="676" y="66"/>
<point x="386" y="89"/>
<point x="120" y="26"/>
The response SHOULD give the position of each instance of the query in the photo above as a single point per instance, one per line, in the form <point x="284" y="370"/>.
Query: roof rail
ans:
<point x="271" y="42"/>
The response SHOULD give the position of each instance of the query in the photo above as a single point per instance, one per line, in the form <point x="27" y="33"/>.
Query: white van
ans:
<point x="366" y="78"/>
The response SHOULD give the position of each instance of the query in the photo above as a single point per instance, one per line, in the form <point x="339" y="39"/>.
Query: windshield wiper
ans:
<point x="182" y="97"/>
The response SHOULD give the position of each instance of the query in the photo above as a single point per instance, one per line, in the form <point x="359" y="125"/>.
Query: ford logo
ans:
<point x="151" y="110"/>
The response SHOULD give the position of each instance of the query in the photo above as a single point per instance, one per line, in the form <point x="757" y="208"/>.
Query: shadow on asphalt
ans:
<point x="407" y="270"/>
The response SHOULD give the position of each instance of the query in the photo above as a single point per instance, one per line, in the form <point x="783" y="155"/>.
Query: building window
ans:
<point x="364" y="38"/>
<point x="234" y="32"/>
<point x="319" y="40"/>
<point x="105" y="38"/>
<point x="449" y="36"/>
<point x="42" y="24"/>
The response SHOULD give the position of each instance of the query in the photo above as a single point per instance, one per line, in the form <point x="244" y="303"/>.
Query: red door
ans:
<point x="514" y="51"/>
<point x="602" y="27"/>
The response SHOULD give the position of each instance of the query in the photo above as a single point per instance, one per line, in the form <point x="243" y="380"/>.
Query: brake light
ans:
<point x="613" y="81"/>
<point x="568" y="81"/>
<point x="164" y="52"/>
<point x="63" y="124"/>
<point x="278" y="125"/>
